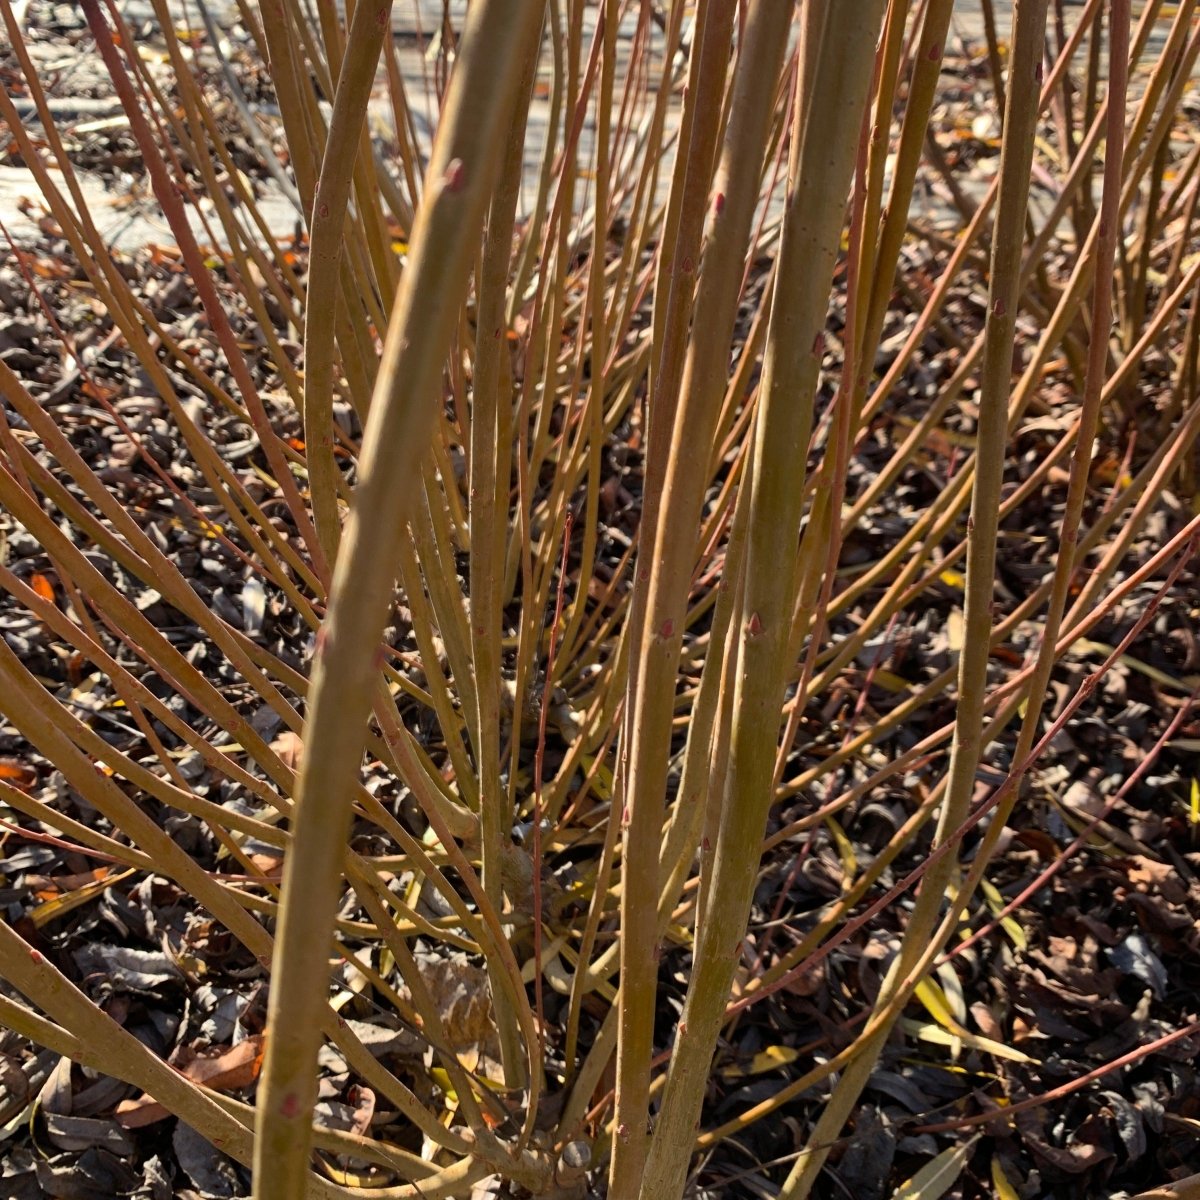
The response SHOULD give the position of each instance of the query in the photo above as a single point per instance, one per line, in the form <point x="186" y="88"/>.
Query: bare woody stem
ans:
<point x="664" y="571"/>
<point x="496" y="45"/>
<point x="831" y="97"/>
<point x="1021" y="112"/>
<point x="327" y="225"/>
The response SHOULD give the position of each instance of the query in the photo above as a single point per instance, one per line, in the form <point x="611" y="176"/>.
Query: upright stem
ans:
<point x="494" y="52"/>
<point x="755" y="87"/>
<point x="1067" y="563"/>
<point x="326" y="238"/>
<point x="665" y="561"/>
<point x="490" y="473"/>
<point x="1021" y="110"/>
<point x="830" y="102"/>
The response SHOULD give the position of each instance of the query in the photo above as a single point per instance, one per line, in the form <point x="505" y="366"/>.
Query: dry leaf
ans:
<point x="225" y="1071"/>
<point x="42" y="585"/>
<point x="290" y="748"/>
<point x="17" y="773"/>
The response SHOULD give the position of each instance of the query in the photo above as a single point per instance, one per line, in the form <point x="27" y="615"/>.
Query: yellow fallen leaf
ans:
<point x="996" y="905"/>
<point x="938" y="1175"/>
<point x="770" y="1059"/>
<point x="934" y="1000"/>
<point x="1004" y="1189"/>
<point x="845" y="849"/>
<point x="59" y="906"/>
<point x="891" y="682"/>
<point x="927" y="1032"/>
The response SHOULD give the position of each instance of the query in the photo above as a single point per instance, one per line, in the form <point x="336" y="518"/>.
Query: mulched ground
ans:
<point x="1102" y="960"/>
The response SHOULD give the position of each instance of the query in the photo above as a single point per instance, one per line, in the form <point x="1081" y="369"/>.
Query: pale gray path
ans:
<point x="128" y="221"/>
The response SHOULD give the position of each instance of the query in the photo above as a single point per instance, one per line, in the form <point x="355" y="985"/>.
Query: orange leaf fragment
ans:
<point x="271" y="865"/>
<point x="17" y="773"/>
<point x="224" y="1070"/>
<point x="42" y="585"/>
<point x="290" y="748"/>
<point x="98" y="391"/>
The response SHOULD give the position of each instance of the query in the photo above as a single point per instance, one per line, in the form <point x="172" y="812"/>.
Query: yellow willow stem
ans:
<point x="496" y="45"/>
<point x="675" y="493"/>
<point x="1016" y="160"/>
<point x="1108" y="230"/>
<point x="830" y="102"/>
<point x="704" y="377"/>
<point x="490" y="469"/>
<point x="372" y="18"/>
